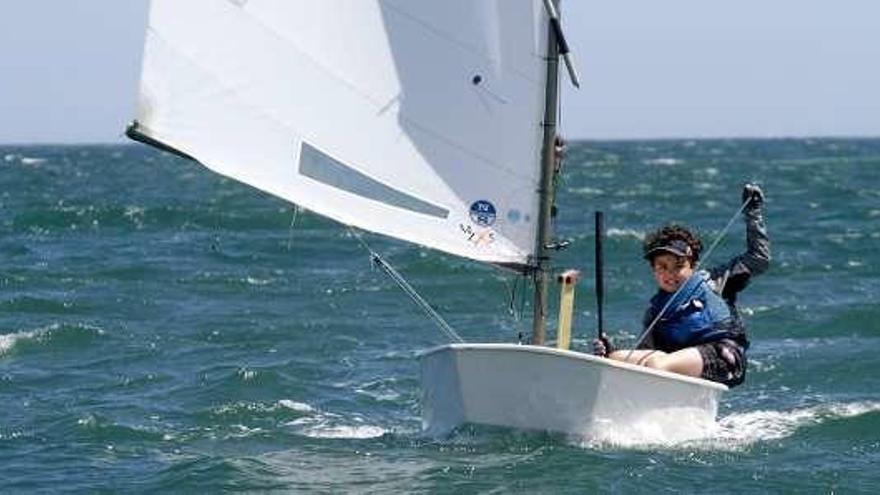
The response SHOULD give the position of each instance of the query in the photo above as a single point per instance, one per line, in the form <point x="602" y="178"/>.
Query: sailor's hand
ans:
<point x="753" y="197"/>
<point x="602" y="346"/>
<point x="753" y="194"/>
<point x="558" y="150"/>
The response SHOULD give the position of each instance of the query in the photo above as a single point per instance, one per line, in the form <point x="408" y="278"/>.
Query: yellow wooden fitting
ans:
<point x="568" y="279"/>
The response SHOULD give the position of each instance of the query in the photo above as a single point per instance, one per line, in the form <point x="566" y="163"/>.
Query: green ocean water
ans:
<point x="163" y="329"/>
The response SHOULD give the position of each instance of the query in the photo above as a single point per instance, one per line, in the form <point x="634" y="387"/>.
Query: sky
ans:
<point x="649" y="69"/>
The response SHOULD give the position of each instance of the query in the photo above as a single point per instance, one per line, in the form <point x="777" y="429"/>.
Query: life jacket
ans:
<point x="693" y="315"/>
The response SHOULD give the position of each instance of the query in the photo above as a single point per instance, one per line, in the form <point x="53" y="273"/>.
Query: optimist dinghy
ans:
<point x="429" y="121"/>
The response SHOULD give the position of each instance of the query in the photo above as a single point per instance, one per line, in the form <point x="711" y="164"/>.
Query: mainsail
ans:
<point x="418" y="119"/>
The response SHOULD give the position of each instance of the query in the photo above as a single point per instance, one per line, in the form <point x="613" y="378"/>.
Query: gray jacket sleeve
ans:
<point x="732" y="277"/>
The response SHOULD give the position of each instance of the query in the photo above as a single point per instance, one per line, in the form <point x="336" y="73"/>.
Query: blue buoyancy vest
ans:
<point x="694" y="315"/>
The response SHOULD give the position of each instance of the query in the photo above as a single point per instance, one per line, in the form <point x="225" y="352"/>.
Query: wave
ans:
<point x="98" y="428"/>
<point x="9" y="341"/>
<point x="322" y="424"/>
<point x="663" y="161"/>
<point x="734" y="432"/>
<point x="585" y="191"/>
<point x="55" y="331"/>
<point x="744" y="429"/>
<point x="24" y="160"/>
<point x="625" y="233"/>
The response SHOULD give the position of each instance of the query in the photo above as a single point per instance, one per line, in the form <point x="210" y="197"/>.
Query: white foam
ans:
<point x="380" y="390"/>
<point x="615" y="232"/>
<point x="345" y="431"/>
<point x="296" y="406"/>
<point x="663" y="161"/>
<point x="586" y="191"/>
<point x="330" y="425"/>
<point x="756" y="426"/>
<point x="664" y="428"/>
<point x="10" y="340"/>
<point x="675" y="430"/>
<point x="26" y="160"/>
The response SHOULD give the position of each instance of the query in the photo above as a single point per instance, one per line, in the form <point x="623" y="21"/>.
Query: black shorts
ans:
<point x="718" y="369"/>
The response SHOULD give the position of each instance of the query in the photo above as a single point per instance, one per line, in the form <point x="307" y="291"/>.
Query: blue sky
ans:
<point x="676" y="68"/>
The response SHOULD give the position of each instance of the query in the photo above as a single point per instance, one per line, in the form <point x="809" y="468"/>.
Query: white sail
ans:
<point x="418" y="119"/>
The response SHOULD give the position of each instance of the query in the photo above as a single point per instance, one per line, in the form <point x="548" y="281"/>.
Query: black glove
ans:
<point x="754" y="197"/>
<point x="602" y="346"/>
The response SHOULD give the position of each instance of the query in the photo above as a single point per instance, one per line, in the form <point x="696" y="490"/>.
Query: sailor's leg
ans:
<point x="638" y="356"/>
<point x="687" y="361"/>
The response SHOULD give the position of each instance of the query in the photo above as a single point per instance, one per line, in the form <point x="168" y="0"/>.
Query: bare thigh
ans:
<point x="687" y="361"/>
<point x="638" y="356"/>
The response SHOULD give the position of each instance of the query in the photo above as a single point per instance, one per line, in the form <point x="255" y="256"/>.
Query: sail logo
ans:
<point x="483" y="213"/>
<point x="478" y="237"/>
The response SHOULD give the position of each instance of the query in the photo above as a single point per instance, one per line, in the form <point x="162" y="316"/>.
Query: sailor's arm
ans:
<point x="734" y="275"/>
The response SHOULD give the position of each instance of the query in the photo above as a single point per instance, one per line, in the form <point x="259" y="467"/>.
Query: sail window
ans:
<point x="323" y="168"/>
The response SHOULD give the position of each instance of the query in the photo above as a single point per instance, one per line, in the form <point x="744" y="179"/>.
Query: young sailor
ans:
<point x="698" y="330"/>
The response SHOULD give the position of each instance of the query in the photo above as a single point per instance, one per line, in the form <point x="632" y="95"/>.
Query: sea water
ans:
<point x="166" y="329"/>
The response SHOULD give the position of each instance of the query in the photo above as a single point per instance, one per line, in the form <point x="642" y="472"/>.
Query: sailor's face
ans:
<point x="671" y="271"/>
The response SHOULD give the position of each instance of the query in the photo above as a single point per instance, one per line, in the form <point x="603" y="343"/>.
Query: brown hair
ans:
<point x="673" y="238"/>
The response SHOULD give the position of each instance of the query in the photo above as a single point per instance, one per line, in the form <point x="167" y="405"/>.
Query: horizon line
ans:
<point x="125" y="142"/>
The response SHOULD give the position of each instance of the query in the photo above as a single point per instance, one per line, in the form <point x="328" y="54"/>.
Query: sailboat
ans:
<point x="431" y="122"/>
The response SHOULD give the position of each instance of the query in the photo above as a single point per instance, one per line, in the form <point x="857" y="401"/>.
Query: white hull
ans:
<point x="541" y="388"/>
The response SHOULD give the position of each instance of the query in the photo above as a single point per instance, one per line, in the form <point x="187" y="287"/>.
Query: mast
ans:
<point x="540" y="274"/>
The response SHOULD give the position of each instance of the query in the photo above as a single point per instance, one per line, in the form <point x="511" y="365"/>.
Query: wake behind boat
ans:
<point x="430" y="122"/>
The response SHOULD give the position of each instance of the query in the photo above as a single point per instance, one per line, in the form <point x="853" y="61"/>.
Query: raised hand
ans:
<point x="602" y="346"/>
<point x="754" y="197"/>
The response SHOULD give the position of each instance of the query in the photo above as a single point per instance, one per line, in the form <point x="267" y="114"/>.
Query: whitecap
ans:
<point x="616" y="232"/>
<point x="586" y="191"/>
<point x="380" y="390"/>
<point x="26" y="160"/>
<point x="345" y="431"/>
<point x="329" y="425"/>
<point x="295" y="406"/>
<point x="734" y="432"/>
<point x="663" y="161"/>
<point x="10" y="340"/>
<point x="755" y="426"/>
<point x="258" y="281"/>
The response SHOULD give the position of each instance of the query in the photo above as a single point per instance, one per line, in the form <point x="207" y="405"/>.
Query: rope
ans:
<point x="720" y="236"/>
<point x="292" y="224"/>
<point x="408" y="290"/>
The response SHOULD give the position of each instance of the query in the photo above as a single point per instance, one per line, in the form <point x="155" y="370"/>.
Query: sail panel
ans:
<point x="323" y="168"/>
<point x="411" y="118"/>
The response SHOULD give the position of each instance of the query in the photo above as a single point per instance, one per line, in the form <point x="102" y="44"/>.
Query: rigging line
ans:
<point x="723" y="232"/>
<point x="292" y="223"/>
<point x="407" y="289"/>
<point x="511" y="297"/>
<point x="215" y="244"/>
<point x="517" y="290"/>
<point x="720" y="236"/>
